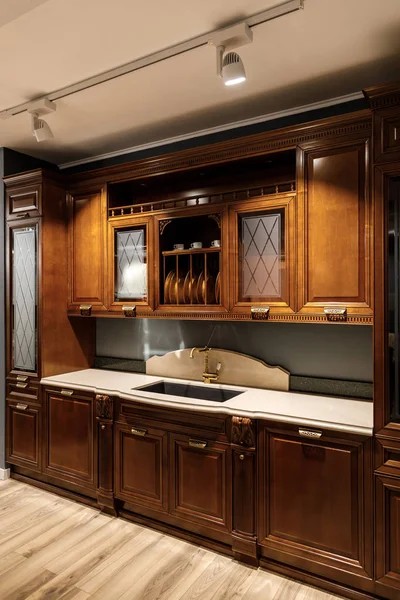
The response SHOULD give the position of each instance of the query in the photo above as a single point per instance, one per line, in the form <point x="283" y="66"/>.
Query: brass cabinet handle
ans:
<point x="197" y="444"/>
<point x="23" y="216"/>
<point x="67" y="392"/>
<point x="22" y="385"/>
<point x="141" y="432"/>
<point x="309" y="433"/>
<point x="241" y="457"/>
<point x="103" y="426"/>
<point x="21" y="406"/>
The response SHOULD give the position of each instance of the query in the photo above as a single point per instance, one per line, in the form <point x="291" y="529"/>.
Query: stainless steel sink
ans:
<point x="187" y="390"/>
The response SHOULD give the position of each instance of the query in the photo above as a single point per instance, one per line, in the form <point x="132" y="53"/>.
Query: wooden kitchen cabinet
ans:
<point x="335" y="229"/>
<point x="200" y="481"/>
<point x="130" y="274"/>
<point x="70" y="438"/>
<point x="315" y="502"/>
<point x="262" y="265"/>
<point x="87" y="251"/>
<point x="23" y="434"/>
<point x="141" y="459"/>
<point x="387" y="542"/>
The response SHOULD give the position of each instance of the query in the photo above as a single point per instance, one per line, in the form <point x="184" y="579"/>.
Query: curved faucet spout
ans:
<point x="195" y="349"/>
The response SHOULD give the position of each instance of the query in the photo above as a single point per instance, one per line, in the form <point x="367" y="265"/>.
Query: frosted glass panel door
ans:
<point x="261" y="255"/>
<point x="24" y="283"/>
<point x="131" y="264"/>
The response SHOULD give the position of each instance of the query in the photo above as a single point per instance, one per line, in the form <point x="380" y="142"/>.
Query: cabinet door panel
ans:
<point x="23" y="435"/>
<point x="87" y="249"/>
<point x="337" y="233"/>
<point x="140" y="466"/>
<point x="69" y="438"/>
<point x="313" y="501"/>
<point x="388" y="532"/>
<point x="262" y="241"/>
<point x="200" y="481"/>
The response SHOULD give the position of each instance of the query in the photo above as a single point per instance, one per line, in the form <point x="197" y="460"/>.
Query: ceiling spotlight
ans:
<point x="40" y="129"/>
<point x="233" y="69"/>
<point x="229" y="64"/>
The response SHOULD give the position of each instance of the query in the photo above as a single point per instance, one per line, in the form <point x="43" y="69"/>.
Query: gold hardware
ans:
<point x="103" y="426"/>
<point x="197" y="444"/>
<point x="67" y="392"/>
<point x="310" y="434"/>
<point x="23" y="216"/>
<point x="336" y="314"/>
<point x="21" y="406"/>
<point x="22" y="385"/>
<point x="86" y="310"/>
<point x="129" y="311"/>
<point x="22" y="378"/>
<point x="241" y="457"/>
<point x="207" y="376"/>
<point x="259" y="313"/>
<point x="141" y="432"/>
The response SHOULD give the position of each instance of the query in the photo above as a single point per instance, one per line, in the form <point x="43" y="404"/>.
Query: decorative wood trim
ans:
<point x="383" y="96"/>
<point x="163" y="224"/>
<point x="243" y="432"/>
<point x="104" y="407"/>
<point x="357" y="123"/>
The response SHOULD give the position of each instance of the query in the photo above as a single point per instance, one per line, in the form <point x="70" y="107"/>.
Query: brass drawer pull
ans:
<point x="310" y="434"/>
<point x="197" y="444"/>
<point x="241" y="456"/>
<point x="21" y="406"/>
<point x="22" y="378"/>
<point x="23" y="216"/>
<point x="102" y="426"/>
<point x="67" y="392"/>
<point x="141" y="432"/>
<point x="22" y="385"/>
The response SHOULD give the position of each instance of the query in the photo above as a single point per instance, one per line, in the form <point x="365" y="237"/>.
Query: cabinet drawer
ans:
<point x="212" y="427"/>
<point x="387" y="457"/>
<point x="23" y="434"/>
<point x="23" y="390"/>
<point x="24" y="202"/>
<point x="141" y="465"/>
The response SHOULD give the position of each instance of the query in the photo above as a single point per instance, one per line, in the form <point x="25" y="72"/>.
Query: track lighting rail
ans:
<point x="202" y="40"/>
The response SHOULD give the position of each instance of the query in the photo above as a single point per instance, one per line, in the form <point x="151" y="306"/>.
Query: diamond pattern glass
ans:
<point x="24" y="298"/>
<point x="261" y="250"/>
<point x="130" y="265"/>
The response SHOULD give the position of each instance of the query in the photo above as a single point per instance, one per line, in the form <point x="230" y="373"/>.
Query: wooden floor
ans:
<point x="53" y="548"/>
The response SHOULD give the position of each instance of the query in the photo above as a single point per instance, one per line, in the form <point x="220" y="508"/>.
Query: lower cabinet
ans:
<point x="387" y="536"/>
<point x="141" y="465"/>
<point x="315" y="502"/>
<point x="70" y="438"/>
<point x="200" y="481"/>
<point x="23" y="434"/>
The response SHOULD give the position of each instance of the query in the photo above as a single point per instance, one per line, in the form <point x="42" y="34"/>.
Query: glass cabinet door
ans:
<point x="262" y="249"/>
<point x="130" y="255"/>
<point x="131" y="264"/>
<point x="24" y="297"/>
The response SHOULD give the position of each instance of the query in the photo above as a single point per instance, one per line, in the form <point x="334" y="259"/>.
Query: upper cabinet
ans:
<point x="275" y="226"/>
<point x="335" y="231"/>
<point x="87" y="250"/>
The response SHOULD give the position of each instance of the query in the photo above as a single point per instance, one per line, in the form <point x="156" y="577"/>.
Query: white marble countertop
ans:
<point x="339" y="414"/>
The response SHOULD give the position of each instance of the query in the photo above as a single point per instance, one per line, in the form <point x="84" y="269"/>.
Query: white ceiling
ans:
<point x="329" y="49"/>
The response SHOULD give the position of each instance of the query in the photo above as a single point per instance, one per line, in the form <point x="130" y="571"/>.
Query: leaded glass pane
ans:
<point x="261" y="248"/>
<point x="24" y="298"/>
<point x="130" y="264"/>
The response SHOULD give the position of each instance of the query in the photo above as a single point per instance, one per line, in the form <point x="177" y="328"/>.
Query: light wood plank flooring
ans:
<point x="53" y="548"/>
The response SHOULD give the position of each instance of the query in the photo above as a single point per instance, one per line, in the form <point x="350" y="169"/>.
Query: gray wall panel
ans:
<point x="329" y="351"/>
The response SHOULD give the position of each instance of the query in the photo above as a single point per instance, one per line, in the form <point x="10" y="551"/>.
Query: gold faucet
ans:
<point x="207" y="376"/>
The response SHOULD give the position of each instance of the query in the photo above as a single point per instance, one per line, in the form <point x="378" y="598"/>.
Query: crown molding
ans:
<point x="213" y="130"/>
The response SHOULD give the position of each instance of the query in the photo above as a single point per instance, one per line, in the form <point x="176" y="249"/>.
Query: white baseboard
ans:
<point x="4" y="474"/>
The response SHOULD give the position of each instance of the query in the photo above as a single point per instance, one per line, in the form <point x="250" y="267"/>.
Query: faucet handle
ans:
<point x="219" y="365"/>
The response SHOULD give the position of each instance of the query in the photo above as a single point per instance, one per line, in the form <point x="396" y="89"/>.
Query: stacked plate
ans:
<point x="191" y="288"/>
